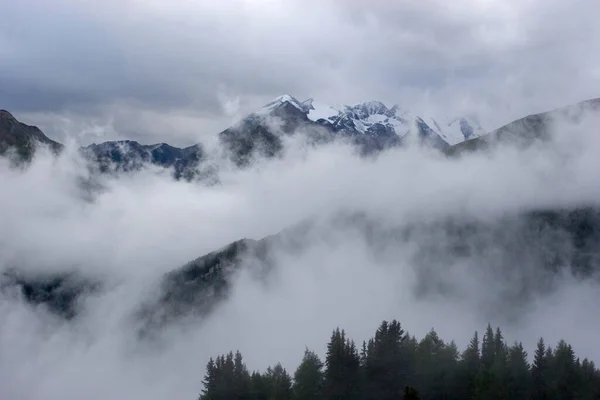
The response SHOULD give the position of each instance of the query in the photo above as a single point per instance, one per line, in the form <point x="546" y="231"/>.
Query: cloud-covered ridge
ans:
<point x="354" y="265"/>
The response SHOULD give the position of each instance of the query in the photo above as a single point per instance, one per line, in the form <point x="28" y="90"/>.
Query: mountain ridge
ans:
<point x="549" y="240"/>
<point x="524" y="131"/>
<point x="371" y="126"/>
<point x="23" y="138"/>
<point x="552" y="239"/>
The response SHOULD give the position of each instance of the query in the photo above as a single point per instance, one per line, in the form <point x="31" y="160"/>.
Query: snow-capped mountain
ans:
<point x="371" y="126"/>
<point x="375" y="118"/>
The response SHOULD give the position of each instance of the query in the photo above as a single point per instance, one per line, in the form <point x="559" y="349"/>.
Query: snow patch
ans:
<point x="461" y="129"/>
<point x="401" y="127"/>
<point x="376" y="118"/>
<point x="322" y="111"/>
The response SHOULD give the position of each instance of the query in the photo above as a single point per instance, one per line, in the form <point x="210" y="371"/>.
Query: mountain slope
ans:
<point x="59" y="293"/>
<point x="22" y="138"/>
<point x="260" y="133"/>
<point x="527" y="130"/>
<point x="530" y="250"/>
<point x="524" y="253"/>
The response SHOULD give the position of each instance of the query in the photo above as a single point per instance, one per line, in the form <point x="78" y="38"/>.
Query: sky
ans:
<point x="182" y="71"/>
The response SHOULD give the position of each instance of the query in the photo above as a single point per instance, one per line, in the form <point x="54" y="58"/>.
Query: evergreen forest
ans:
<point x="396" y="365"/>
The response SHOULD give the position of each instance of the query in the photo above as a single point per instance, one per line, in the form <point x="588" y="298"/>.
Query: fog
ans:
<point x="144" y="224"/>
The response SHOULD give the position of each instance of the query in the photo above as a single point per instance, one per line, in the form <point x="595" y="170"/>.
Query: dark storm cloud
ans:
<point x="184" y="60"/>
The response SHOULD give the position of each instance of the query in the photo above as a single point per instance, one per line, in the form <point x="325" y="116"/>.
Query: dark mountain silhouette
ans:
<point x="524" y="253"/>
<point x="59" y="292"/>
<point x="21" y="140"/>
<point x="530" y="248"/>
<point x="129" y="155"/>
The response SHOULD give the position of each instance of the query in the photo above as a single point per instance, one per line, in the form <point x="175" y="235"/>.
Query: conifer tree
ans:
<point x="279" y="383"/>
<point x="309" y="378"/>
<point x="518" y="376"/>
<point x="589" y="381"/>
<point x="364" y="353"/>
<point x="210" y="381"/>
<point x="410" y="345"/>
<point x="228" y="376"/>
<point x="498" y="384"/>
<point x="540" y="371"/>
<point x="468" y="369"/>
<point x="488" y="346"/>
<point x="565" y="371"/>
<point x="342" y="374"/>
<point x="385" y="368"/>
<point x="431" y="367"/>
<point x="241" y="378"/>
<point x="259" y="387"/>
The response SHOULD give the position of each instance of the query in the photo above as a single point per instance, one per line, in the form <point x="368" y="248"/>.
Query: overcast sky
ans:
<point x="181" y="71"/>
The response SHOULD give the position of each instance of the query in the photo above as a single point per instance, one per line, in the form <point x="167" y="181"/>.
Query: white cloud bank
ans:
<point x="146" y="224"/>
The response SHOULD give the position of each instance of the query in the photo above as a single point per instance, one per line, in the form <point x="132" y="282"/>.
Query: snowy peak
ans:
<point x="370" y="108"/>
<point x="375" y="119"/>
<point x="307" y="105"/>
<point x="319" y="111"/>
<point x="282" y="101"/>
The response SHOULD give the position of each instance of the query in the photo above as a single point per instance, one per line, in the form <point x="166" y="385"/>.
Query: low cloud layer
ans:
<point x="146" y="224"/>
<point x="156" y="71"/>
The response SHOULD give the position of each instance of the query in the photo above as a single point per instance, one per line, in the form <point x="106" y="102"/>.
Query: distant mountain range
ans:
<point x="370" y="126"/>
<point x="545" y="239"/>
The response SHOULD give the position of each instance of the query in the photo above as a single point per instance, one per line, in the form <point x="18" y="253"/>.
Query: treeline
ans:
<point x="395" y="365"/>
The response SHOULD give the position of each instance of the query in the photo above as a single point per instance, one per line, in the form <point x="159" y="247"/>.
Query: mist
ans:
<point x="139" y="226"/>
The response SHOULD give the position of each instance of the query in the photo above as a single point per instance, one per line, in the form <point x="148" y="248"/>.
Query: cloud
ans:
<point x="499" y="59"/>
<point x="143" y="225"/>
